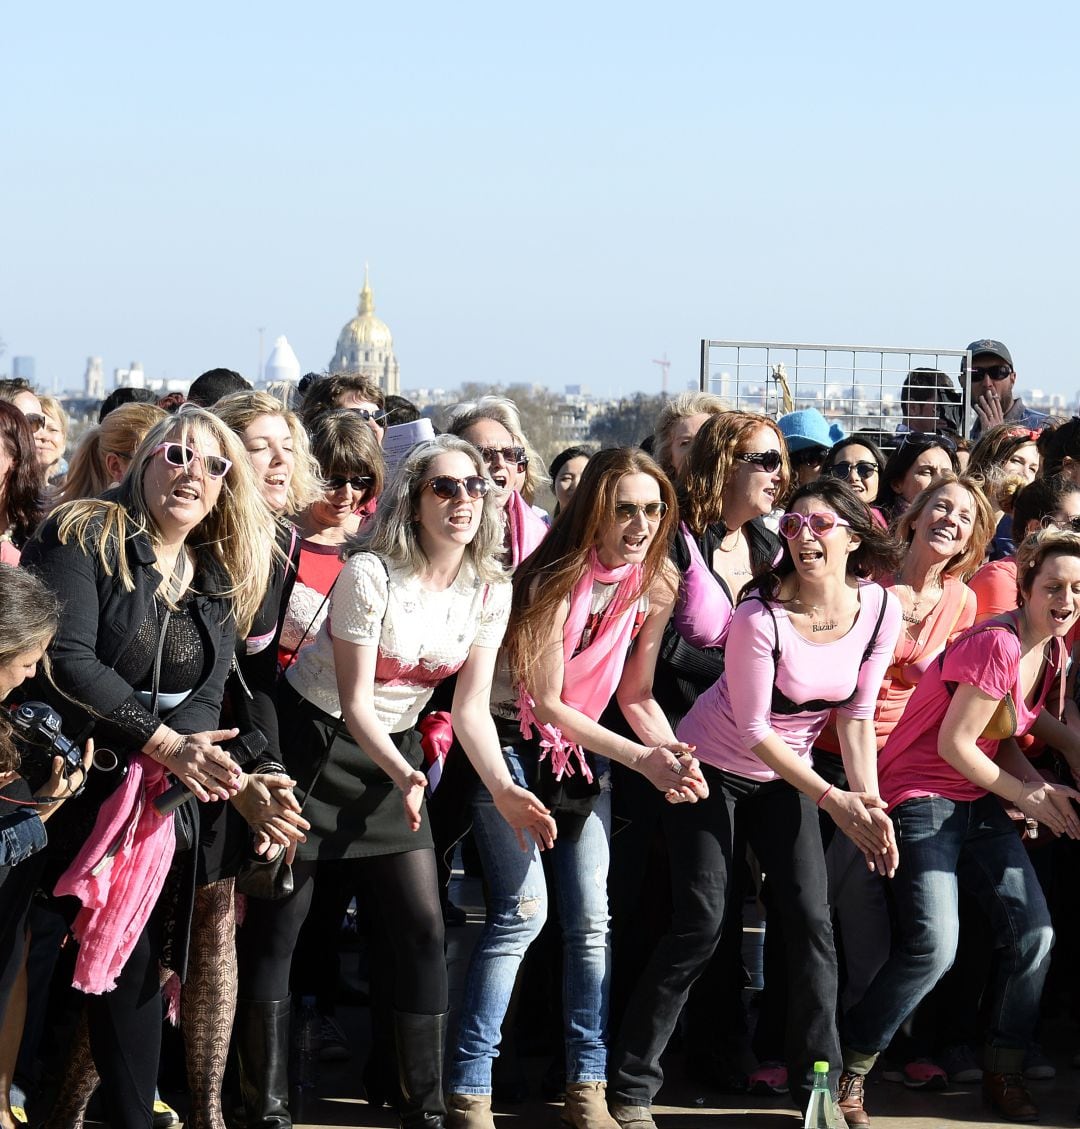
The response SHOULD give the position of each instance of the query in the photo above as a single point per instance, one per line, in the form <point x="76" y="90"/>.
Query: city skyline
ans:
<point x="556" y="199"/>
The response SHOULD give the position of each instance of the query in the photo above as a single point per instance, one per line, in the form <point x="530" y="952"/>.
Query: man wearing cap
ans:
<point x="991" y="384"/>
<point x="808" y="437"/>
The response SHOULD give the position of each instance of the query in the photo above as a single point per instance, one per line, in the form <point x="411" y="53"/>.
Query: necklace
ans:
<point x="814" y="610"/>
<point x="914" y="616"/>
<point x="735" y="543"/>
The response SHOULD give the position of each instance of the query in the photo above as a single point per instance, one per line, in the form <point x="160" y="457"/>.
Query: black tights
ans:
<point x="404" y="893"/>
<point x="125" y="1036"/>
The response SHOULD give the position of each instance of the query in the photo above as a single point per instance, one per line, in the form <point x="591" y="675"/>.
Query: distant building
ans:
<point x="94" y="379"/>
<point x="131" y="377"/>
<point x="366" y="346"/>
<point x="23" y="367"/>
<point x="282" y="364"/>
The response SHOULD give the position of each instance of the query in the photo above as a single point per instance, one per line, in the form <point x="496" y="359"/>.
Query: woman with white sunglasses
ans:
<point x="811" y="636"/>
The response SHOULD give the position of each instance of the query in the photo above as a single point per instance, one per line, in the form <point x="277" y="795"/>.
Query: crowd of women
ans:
<point x="292" y="671"/>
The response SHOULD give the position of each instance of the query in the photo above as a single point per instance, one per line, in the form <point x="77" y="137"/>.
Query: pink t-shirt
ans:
<point x="735" y="713"/>
<point x="987" y="658"/>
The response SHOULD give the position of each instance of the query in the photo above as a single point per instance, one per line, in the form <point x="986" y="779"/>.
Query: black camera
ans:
<point x="38" y="725"/>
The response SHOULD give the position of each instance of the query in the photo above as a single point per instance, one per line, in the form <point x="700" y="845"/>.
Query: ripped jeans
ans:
<point x="517" y="903"/>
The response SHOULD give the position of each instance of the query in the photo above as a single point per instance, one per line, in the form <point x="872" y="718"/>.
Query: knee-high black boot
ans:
<point x="421" y="1045"/>
<point x="262" y="1051"/>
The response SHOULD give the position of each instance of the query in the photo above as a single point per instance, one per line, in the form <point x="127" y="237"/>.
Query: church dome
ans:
<point x="365" y="331"/>
<point x="366" y="345"/>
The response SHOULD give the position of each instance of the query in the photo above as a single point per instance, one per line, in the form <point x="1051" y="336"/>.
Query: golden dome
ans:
<point x="365" y="331"/>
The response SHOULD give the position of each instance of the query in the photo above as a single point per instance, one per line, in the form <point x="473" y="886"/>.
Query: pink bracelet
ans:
<point x="824" y="794"/>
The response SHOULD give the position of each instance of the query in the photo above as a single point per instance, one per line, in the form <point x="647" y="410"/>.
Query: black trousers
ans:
<point x="781" y="826"/>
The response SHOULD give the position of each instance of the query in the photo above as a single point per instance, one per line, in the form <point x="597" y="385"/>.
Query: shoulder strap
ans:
<point x="877" y="627"/>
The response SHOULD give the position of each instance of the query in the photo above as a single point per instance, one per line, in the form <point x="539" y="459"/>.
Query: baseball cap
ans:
<point x="989" y="345"/>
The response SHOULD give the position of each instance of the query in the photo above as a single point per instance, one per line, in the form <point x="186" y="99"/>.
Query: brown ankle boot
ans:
<point x="1007" y="1095"/>
<point x="849" y="1097"/>
<point x="469" y="1111"/>
<point x="586" y="1106"/>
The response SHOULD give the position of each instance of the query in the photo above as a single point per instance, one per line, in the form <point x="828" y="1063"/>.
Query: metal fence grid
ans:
<point x="866" y="388"/>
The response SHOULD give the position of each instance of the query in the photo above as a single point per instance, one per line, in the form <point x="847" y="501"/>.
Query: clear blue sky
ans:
<point x="557" y="193"/>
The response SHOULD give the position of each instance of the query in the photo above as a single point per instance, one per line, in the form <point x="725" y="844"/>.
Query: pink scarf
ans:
<point x="591" y="675"/>
<point x="527" y="528"/>
<point x="118" y="875"/>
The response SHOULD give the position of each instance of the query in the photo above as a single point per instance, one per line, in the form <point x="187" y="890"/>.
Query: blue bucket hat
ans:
<point x="808" y="428"/>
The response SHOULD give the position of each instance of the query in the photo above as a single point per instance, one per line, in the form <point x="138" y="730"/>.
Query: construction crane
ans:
<point x="665" y="365"/>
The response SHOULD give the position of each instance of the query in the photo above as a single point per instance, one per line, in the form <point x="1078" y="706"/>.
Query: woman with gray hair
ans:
<point x="492" y="425"/>
<point x="350" y="712"/>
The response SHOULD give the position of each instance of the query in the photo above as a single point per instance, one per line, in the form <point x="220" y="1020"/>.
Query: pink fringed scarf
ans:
<point x="527" y="528"/>
<point x="118" y="875"/>
<point x="591" y="675"/>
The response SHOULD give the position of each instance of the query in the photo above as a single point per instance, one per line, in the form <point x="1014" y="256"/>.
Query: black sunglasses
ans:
<point x="864" y="469"/>
<point x="357" y="481"/>
<point x="809" y="456"/>
<point x="995" y="372"/>
<point x="1061" y="523"/>
<point x="768" y="461"/>
<point x="445" y="486"/>
<point x="508" y="455"/>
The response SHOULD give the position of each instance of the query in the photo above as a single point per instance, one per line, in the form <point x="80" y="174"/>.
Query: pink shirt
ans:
<point x="988" y="659"/>
<point x="735" y="713"/>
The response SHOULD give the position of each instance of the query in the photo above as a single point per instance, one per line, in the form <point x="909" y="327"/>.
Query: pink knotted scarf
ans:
<point x="527" y="528"/>
<point x="118" y="875"/>
<point x="591" y="675"/>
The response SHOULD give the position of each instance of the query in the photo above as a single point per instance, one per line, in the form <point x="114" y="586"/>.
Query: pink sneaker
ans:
<point x="922" y="1074"/>
<point x="768" y="1080"/>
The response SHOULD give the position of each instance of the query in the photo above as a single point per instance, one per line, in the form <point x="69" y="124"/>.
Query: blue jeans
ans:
<point x="516" y="912"/>
<point x="945" y="844"/>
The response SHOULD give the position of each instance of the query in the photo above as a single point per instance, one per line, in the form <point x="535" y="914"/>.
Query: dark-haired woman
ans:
<point x="811" y="637"/>
<point x="858" y="461"/>
<point x="1059" y="450"/>
<point x="565" y="470"/>
<point x="916" y="462"/>
<point x="21" y="483"/>
<point x="943" y="771"/>
<point x="599" y="582"/>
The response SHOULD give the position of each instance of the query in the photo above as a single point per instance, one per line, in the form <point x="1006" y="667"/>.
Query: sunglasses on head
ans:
<point x="923" y="439"/>
<point x="357" y="481"/>
<point x="508" y="455"/>
<point x="627" y="511"/>
<point x="864" y="469"/>
<point x="820" y="523"/>
<point x="994" y="372"/>
<point x="176" y="454"/>
<point x="768" y="461"/>
<point x="445" y="486"/>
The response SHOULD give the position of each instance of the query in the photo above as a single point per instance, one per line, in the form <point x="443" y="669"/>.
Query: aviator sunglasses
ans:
<point x="176" y="454"/>
<point x="768" y="461"/>
<point x="445" y="486"/>
<point x="508" y="455"/>
<point x="820" y="522"/>
<point x="627" y="511"/>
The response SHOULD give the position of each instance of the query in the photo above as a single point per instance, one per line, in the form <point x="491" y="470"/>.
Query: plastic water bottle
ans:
<point x="822" y="1112"/>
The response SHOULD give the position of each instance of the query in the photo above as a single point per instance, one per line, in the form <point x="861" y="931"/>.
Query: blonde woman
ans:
<point x="680" y="419"/>
<point x="154" y="583"/>
<point x="103" y="454"/>
<point x="52" y="443"/>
